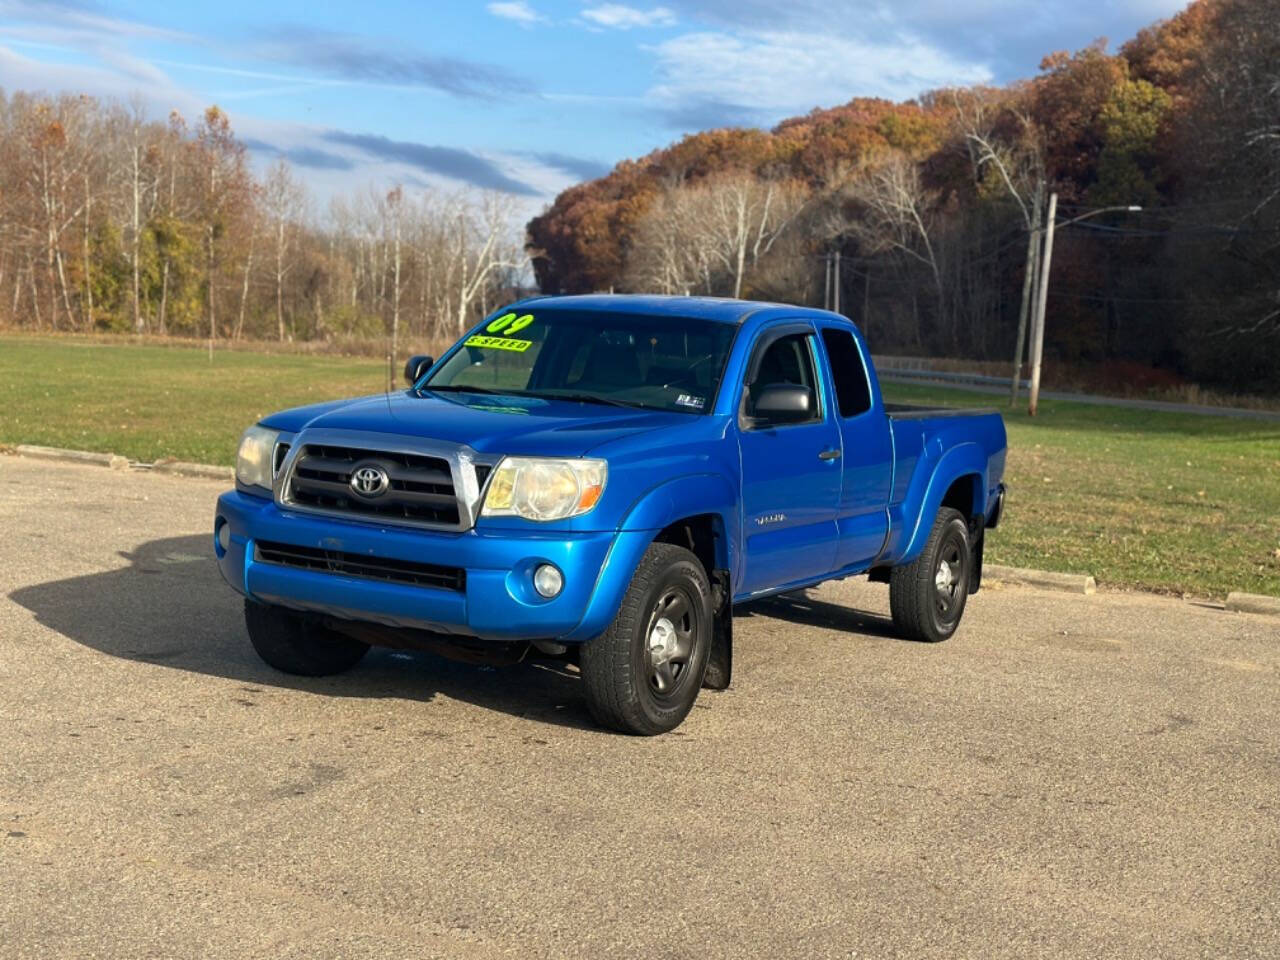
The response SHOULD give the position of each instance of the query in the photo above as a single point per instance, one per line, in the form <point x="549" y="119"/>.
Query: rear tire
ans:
<point x="297" y="644"/>
<point x="642" y="675"/>
<point x="927" y="596"/>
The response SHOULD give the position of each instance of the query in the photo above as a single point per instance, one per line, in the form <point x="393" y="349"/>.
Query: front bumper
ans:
<point x="498" y="601"/>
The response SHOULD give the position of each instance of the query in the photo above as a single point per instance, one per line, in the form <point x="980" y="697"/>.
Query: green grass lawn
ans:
<point x="152" y="402"/>
<point x="1171" y="502"/>
<point x="1160" y="501"/>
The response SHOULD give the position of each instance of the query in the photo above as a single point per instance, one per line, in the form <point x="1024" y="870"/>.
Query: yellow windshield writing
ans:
<point x="509" y="323"/>
<point x="499" y="343"/>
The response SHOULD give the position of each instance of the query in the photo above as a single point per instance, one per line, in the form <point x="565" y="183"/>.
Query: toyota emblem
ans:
<point x="369" y="481"/>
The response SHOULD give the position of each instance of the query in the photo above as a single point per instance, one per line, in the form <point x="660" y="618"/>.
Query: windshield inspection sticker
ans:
<point x="687" y="400"/>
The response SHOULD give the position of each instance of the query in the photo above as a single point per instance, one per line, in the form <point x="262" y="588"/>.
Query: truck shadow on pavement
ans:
<point x="170" y="607"/>
<point x="803" y="610"/>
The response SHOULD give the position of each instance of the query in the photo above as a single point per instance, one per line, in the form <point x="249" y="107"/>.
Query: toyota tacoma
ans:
<point x="601" y="479"/>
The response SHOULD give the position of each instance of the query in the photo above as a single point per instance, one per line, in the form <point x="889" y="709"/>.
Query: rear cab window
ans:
<point x="849" y="373"/>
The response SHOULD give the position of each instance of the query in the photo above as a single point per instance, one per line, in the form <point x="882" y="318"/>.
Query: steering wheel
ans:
<point x="686" y="372"/>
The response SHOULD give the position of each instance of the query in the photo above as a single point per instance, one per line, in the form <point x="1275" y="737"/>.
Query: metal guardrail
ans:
<point x="946" y="376"/>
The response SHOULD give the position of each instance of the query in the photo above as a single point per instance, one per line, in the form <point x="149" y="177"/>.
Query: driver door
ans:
<point x="791" y="469"/>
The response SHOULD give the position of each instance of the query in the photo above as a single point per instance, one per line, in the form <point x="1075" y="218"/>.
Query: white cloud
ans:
<point x="517" y="10"/>
<point x="776" y="73"/>
<point x="617" y="16"/>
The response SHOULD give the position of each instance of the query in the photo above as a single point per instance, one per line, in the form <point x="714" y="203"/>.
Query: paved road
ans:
<point x="1068" y="777"/>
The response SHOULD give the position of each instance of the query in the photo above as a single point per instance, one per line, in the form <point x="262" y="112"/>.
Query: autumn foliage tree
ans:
<point x="933" y="206"/>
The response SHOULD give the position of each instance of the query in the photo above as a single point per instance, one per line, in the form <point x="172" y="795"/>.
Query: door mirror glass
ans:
<point x="416" y="366"/>
<point x="784" y="403"/>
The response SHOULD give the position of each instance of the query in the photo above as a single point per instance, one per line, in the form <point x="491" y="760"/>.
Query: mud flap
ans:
<point x="975" y="561"/>
<point x="720" y="662"/>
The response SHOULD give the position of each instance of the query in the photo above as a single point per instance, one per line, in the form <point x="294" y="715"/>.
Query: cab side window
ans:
<point x="853" y="395"/>
<point x="787" y="361"/>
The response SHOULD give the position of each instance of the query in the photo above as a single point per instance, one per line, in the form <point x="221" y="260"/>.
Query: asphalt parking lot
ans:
<point x="1069" y="776"/>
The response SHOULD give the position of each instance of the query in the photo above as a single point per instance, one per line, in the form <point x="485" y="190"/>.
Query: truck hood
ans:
<point x="487" y="423"/>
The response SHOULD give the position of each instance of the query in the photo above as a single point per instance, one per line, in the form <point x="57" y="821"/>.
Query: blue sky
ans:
<point x="525" y="96"/>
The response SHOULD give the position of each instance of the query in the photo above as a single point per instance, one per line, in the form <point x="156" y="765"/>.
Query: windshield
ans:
<point x="659" y="363"/>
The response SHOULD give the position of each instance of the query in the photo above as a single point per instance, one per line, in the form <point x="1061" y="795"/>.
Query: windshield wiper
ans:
<point x="461" y="388"/>
<point x="587" y="398"/>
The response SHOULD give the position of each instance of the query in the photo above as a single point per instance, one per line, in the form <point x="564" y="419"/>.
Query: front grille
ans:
<point x="421" y="487"/>
<point x="277" y="461"/>
<point x="361" y="566"/>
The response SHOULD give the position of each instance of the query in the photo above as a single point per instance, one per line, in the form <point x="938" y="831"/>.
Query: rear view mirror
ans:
<point x="416" y="366"/>
<point x="784" y="403"/>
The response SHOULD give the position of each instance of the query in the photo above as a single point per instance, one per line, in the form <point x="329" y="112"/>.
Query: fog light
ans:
<point x="548" y="581"/>
<point x="224" y="536"/>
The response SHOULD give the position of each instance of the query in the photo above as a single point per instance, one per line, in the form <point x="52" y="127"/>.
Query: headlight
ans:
<point x="253" y="463"/>
<point x="538" y="489"/>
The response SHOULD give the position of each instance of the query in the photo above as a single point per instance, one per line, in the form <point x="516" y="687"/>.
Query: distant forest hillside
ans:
<point x="931" y="203"/>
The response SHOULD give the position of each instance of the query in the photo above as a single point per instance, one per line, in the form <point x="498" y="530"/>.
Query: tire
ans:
<point x="922" y="608"/>
<point x="642" y="675"/>
<point x="293" y="643"/>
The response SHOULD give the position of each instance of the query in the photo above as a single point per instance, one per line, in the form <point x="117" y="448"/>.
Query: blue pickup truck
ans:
<point x="601" y="479"/>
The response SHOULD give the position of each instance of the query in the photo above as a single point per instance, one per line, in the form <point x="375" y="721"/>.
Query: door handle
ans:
<point x="829" y="455"/>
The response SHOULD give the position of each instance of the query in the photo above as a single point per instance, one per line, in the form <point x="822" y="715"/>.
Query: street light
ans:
<point x="1037" y="327"/>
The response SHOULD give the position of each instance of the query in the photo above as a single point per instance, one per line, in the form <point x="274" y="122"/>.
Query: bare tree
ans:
<point x="483" y="244"/>
<point x="55" y="159"/>
<point x="247" y="273"/>
<point x="395" y="219"/>
<point x="137" y="162"/>
<point x="710" y="234"/>
<point x="283" y="199"/>
<point x="1004" y="144"/>
<point x="741" y="217"/>
<point x="897" y="214"/>
<point x="665" y="256"/>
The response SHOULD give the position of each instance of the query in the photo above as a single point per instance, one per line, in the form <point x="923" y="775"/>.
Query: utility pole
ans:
<point x="1037" y="331"/>
<point x="826" y="282"/>
<point x="1042" y="293"/>
<point x="836" y="272"/>
<point x="866" y="301"/>
<point x="1029" y="287"/>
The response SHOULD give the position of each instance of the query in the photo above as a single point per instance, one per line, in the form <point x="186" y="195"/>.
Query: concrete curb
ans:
<point x="1253" y="603"/>
<point x="109" y="460"/>
<point x="1044" y="579"/>
<point x="204" y="471"/>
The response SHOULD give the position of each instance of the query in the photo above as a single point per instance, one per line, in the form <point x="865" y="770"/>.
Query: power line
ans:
<point x="1099" y="298"/>
<point x="1160" y="208"/>
<point x="1181" y="231"/>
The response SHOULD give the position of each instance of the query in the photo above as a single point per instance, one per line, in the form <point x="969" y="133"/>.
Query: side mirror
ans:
<point x="416" y="366"/>
<point x="784" y="403"/>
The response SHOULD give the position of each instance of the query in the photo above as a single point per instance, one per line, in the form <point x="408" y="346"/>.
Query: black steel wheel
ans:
<point x="671" y="634"/>
<point x="642" y="675"/>
<point x="927" y="596"/>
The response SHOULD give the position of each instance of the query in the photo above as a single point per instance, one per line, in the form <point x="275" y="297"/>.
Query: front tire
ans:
<point x="642" y="675"/>
<point x="297" y="644"/>
<point x="927" y="596"/>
